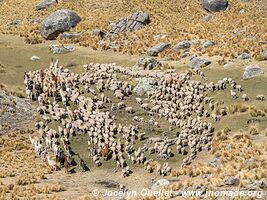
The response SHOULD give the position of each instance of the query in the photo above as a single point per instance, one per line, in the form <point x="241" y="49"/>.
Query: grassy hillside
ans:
<point x="234" y="31"/>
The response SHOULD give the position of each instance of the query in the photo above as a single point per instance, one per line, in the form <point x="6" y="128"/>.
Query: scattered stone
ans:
<point x="133" y="22"/>
<point x="155" y="50"/>
<point x="147" y="64"/>
<point x="45" y="3"/>
<point x="182" y="45"/>
<point x="262" y="183"/>
<point x="215" y="5"/>
<point x="207" y="18"/>
<point x="159" y="36"/>
<point x="160" y="184"/>
<point x="208" y="44"/>
<point x="215" y="162"/>
<point x="144" y="85"/>
<point x="13" y="109"/>
<point x="69" y="35"/>
<point x="99" y="33"/>
<point x="60" y="49"/>
<point x="58" y="22"/>
<point x="33" y="58"/>
<point x="265" y="55"/>
<point x="252" y="71"/>
<point x="198" y="62"/>
<point x="231" y="181"/>
<point x="244" y="56"/>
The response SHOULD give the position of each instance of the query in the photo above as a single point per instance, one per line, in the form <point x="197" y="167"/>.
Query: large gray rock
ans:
<point x="155" y="50"/>
<point x="215" y="5"/>
<point x="264" y="55"/>
<point x="160" y="184"/>
<point x="198" y="62"/>
<point x="182" y="45"/>
<point x="60" y="49"/>
<point x="58" y="22"/>
<point x="231" y="181"/>
<point x="145" y="85"/>
<point x="147" y="64"/>
<point x="252" y="71"/>
<point x="45" y="3"/>
<point x="133" y="22"/>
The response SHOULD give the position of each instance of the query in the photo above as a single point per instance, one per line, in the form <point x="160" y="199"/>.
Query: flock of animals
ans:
<point x="84" y="103"/>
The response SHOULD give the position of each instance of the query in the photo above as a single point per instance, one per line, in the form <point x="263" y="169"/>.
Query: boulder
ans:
<point x="215" y="5"/>
<point x="69" y="35"/>
<point x="264" y="55"/>
<point x="244" y="56"/>
<point x="160" y="184"/>
<point x="60" y="49"/>
<point x="45" y="3"/>
<point x="231" y="181"/>
<point x="182" y="45"/>
<point x="59" y="22"/>
<point x="133" y="22"/>
<point x="198" y="62"/>
<point x="252" y="71"/>
<point x="147" y="64"/>
<point x="208" y="44"/>
<point x="144" y="85"/>
<point x="155" y="50"/>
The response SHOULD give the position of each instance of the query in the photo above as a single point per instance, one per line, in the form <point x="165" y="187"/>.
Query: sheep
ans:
<point x="260" y="97"/>
<point x="245" y="97"/>
<point x="233" y="94"/>
<point x="129" y="109"/>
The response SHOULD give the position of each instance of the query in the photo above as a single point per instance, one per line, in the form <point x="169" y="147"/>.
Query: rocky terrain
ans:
<point x="155" y="95"/>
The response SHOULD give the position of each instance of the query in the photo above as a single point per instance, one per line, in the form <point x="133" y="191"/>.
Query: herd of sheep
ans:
<point x="84" y="103"/>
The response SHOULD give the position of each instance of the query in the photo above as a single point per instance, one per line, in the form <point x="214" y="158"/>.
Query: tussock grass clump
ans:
<point x="237" y="108"/>
<point x="254" y="112"/>
<point x="254" y="129"/>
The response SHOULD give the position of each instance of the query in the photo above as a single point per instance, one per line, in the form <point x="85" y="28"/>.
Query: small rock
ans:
<point x="69" y="35"/>
<point x="45" y="3"/>
<point x="159" y="36"/>
<point x="252" y="71"/>
<point x="215" y="162"/>
<point x="208" y="44"/>
<point x="215" y="5"/>
<point x="60" y="49"/>
<point x="160" y="184"/>
<point x="33" y="58"/>
<point x="198" y="62"/>
<point x="155" y="50"/>
<point x="244" y="56"/>
<point x="228" y="65"/>
<point x="207" y="18"/>
<point x="145" y="85"/>
<point x="99" y="33"/>
<point x="231" y="181"/>
<point x="265" y="55"/>
<point x="182" y="45"/>
<point x="147" y="64"/>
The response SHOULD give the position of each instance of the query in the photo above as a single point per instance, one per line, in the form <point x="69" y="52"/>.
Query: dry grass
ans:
<point x="179" y="19"/>
<point x="235" y="153"/>
<point x="237" y="108"/>
<point x="18" y="162"/>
